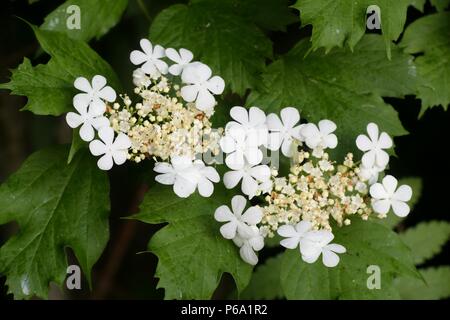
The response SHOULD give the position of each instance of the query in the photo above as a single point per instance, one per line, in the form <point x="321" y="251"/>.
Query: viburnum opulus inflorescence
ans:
<point x="168" y="120"/>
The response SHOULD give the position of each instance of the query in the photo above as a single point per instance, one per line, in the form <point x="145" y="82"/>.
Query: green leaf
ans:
<point x="341" y="86"/>
<point x="440" y="5"/>
<point x="265" y="283"/>
<point x="233" y="47"/>
<point x="273" y="15"/>
<point x="56" y="206"/>
<point x="339" y="23"/>
<point x="430" y="35"/>
<point x="191" y="251"/>
<point x="415" y="183"/>
<point x="436" y="286"/>
<point x="426" y="239"/>
<point x="96" y="18"/>
<point x="367" y="244"/>
<point x="49" y="88"/>
<point x="77" y="145"/>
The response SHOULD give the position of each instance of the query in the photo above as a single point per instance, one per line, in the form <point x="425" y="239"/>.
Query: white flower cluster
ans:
<point x="299" y="207"/>
<point x="170" y="123"/>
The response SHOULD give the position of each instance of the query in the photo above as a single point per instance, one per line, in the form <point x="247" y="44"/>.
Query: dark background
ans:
<point x="120" y="272"/>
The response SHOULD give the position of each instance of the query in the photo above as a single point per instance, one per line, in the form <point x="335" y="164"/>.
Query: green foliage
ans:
<point x="96" y="18"/>
<point x="69" y="59"/>
<point x="191" y="251"/>
<point x="426" y="239"/>
<point x="232" y="46"/>
<point x="265" y="283"/>
<point x="341" y="86"/>
<point x="56" y="206"/>
<point x="339" y="23"/>
<point x="436" y="285"/>
<point x="367" y="244"/>
<point x="430" y="35"/>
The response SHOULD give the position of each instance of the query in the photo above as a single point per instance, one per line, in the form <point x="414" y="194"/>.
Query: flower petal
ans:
<point x="100" y="122"/>
<point x="274" y="123"/>
<point x="248" y="255"/>
<point x="189" y="93"/>
<point x="211" y="174"/>
<point x="381" y="206"/>
<point x="249" y="186"/>
<point x="97" y="147"/>
<point x="166" y="178"/>
<point x="98" y="82"/>
<point x="274" y="141"/>
<point x="138" y="57"/>
<point x="287" y="148"/>
<point x="149" y="68"/>
<point x="161" y="66"/>
<point x="260" y="173"/>
<point x="223" y="214"/>
<point x="146" y="46"/>
<point x="235" y="160"/>
<point x="239" y="114"/>
<point x="205" y="100"/>
<point x="173" y="55"/>
<point x="183" y="187"/>
<point x="175" y="69"/>
<point x="82" y="84"/>
<point x="385" y="141"/>
<point x="377" y="191"/>
<point x="186" y="55"/>
<point x="400" y="208"/>
<point x="330" y="141"/>
<point x="238" y="204"/>
<point x="326" y="126"/>
<point x="163" y="167"/>
<point x="228" y="230"/>
<point x="403" y="193"/>
<point x="120" y="156"/>
<point x="257" y="243"/>
<point x="253" y="155"/>
<point x="256" y="116"/>
<point x="372" y="130"/>
<point x="107" y="135"/>
<point x="368" y="159"/>
<point x="290" y="243"/>
<point x="216" y="85"/>
<point x="232" y="178"/>
<point x="108" y="94"/>
<point x="290" y="117"/>
<point x="81" y="102"/>
<point x="205" y="187"/>
<point x="382" y="158"/>
<point x="122" y="142"/>
<point x="329" y="258"/>
<point x="363" y="143"/>
<point x="287" y="231"/>
<point x="390" y="184"/>
<point x="252" y="216"/>
<point x="105" y="162"/>
<point x="196" y="73"/>
<point x="302" y="227"/>
<point x="87" y="132"/>
<point x="73" y="119"/>
<point x="336" y="248"/>
<point x="158" y="52"/>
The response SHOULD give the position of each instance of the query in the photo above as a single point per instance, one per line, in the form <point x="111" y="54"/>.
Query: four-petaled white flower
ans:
<point x="181" y="59"/>
<point x="88" y="118"/>
<point x="113" y="150"/>
<point x="386" y="195"/>
<point x="312" y="243"/>
<point x="315" y="243"/>
<point x="251" y="176"/>
<point x="94" y="93"/>
<point x="236" y="222"/>
<point x="150" y="58"/>
<point x="373" y="146"/>
<point x="248" y="246"/>
<point x="200" y="86"/>
<point x="320" y="137"/>
<point x="283" y="132"/>
<point x="186" y="176"/>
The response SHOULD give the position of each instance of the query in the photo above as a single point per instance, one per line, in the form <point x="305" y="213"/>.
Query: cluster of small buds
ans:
<point x="161" y="124"/>
<point x="315" y="190"/>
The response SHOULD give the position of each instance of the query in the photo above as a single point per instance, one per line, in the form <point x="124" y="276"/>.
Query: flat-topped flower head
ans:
<point x="200" y="86"/>
<point x="186" y="176"/>
<point x="113" y="150"/>
<point x="150" y="58"/>
<point x="283" y="132"/>
<point x="88" y="118"/>
<point x="182" y="58"/>
<point x="320" y="136"/>
<point x="95" y="93"/>
<point x="237" y="222"/>
<point x="373" y="146"/>
<point x="386" y="194"/>
<point x="251" y="176"/>
<point x="248" y="245"/>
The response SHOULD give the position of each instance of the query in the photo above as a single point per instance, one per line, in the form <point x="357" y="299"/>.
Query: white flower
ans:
<point x="293" y="234"/>
<point x="239" y="149"/>
<point x="315" y="243"/>
<point x="248" y="246"/>
<point x="252" y="122"/>
<point x="113" y="151"/>
<point x="150" y="58"/>
<point x="283" y="132"/>
<point x="236" y="222"/>
<point x="374" y="145"/>
<point x="94" y="94"/>
<point x="140" y="78"/>
<point x="370" y="174"/>
<point x="312" y="243"/>
<point x="88" y="118"/>
<point x="386" y="195"/>
<point x="320" y="137"/>
<point x="201" y="86"/>
<point x="181" y="59"/>
<point x="186" y="176"/>
<point x="250" y="175"/>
